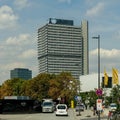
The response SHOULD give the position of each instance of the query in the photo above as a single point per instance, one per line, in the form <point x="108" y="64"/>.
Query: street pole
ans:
<point x="98" y="61"/>
<point x="79" y="98"/>
<point x="98" y="38"/>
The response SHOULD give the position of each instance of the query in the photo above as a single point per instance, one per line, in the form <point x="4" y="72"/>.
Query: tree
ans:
<point x="63" y="86"/>
<point x="38" y="87"/>
<point x="11" y="87"/>
<point x="92" y="97"/>
<point x="42" y="86"/>
<point x="115" y="94"/>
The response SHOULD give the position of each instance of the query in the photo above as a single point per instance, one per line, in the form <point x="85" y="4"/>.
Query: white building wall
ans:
<point x="90" y="82"/>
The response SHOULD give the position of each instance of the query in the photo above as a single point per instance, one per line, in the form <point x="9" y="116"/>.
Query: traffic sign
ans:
<point x="77" y="98"/>
<point x="99" y="104"/>
<point x="99" y="92"/>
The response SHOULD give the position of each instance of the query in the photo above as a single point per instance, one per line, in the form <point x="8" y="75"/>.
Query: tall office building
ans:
<point x="22" y="73"/>
<point x="63" y="47"/>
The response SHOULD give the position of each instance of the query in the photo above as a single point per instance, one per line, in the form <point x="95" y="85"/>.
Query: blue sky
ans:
<point x="20" y="20"/>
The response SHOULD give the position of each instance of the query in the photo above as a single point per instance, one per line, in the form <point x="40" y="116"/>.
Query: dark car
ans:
<point x="37" y="106"/>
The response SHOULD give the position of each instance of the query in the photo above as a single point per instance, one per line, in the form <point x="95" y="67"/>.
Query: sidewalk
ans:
<point x="88" y="115"/>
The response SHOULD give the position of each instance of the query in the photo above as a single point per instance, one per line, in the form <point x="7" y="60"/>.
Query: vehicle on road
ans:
<point x="37" y="106"/>
<point x="79" y="107"/>
<point x="62" y="110"/>
<point x="113" y="106"/>
<point x="48" y="106"/>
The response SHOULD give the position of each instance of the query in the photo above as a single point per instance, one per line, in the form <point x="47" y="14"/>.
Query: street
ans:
<point x="72" y="115"/>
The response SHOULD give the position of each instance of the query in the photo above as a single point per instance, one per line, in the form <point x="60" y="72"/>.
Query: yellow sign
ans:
<point x="72" y="104"/>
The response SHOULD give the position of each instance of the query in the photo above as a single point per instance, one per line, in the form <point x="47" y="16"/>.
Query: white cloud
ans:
<point x="17" y="52"/>
<point x="95" y="10"/>
<point x="29" y="54"/>
<point x="108" y="59"/>
<point x="114" y="53"/>
<point x="21" y="46"/>
<point x="12" y="47"/>
<point x="21" y="3"/>
<point x="7" y="17"/>
<point x="22" y="39"/>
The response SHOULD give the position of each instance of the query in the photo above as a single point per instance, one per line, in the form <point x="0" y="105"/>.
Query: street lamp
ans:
<point x="98" y="59"/>
<point x="98" y="38"/>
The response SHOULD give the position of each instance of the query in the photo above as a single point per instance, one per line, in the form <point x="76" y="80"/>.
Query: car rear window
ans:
<point x="61" y="107"/>
<point x="80" y="106"/>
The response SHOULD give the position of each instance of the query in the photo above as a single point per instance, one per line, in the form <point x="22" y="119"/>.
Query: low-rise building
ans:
<point x="90" y="82"/>
<point x="22" y="73"/>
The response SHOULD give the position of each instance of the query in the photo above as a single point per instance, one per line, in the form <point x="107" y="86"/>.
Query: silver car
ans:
<point x="79" y="107"/>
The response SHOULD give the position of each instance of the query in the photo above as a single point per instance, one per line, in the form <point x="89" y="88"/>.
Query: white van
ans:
<point x="48" y="106"/>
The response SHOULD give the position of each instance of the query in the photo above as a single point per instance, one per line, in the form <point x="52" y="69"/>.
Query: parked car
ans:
<point x="61" y="109"/>
<point x="79" y="107"/>
<point x="113" y="106"/>
<point x="48" y="106"/>
<point x="37" y="106"/>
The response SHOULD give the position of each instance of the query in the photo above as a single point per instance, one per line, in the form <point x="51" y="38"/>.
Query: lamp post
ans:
<point x="98" y="38"/>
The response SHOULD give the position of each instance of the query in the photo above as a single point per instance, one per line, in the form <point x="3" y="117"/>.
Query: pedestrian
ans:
<point x="94" y="109"/>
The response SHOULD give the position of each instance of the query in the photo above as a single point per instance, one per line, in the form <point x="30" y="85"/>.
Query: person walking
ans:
<point x="94" y="109"/>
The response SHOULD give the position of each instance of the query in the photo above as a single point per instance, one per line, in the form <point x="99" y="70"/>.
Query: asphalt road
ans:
<point x="72" y="115"/>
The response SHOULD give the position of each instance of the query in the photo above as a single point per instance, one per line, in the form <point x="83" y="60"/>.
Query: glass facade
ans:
<point x="61" y="48"/>
<point x="22" y="73"/>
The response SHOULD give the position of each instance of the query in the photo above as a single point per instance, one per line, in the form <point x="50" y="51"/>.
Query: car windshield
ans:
<point x="61" y="107"/>
<point x="47" y="104"/>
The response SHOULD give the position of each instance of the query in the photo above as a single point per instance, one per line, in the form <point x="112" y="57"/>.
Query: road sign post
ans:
<point x="99" y="92"/>
<point x="99" y="104"/>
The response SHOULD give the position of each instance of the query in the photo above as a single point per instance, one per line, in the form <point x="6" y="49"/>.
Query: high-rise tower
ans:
<point x="63" y="47"/>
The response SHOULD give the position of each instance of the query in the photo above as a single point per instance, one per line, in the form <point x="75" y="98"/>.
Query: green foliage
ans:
<point x="93" y="97"/>
<point x="63" y="86"/>
<point x="90" y="96"/>
<point x="42" y="86"/>
<point x="11" y="87"/>
<point x="38" y="87"/>
<point x="115" y="94"/>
